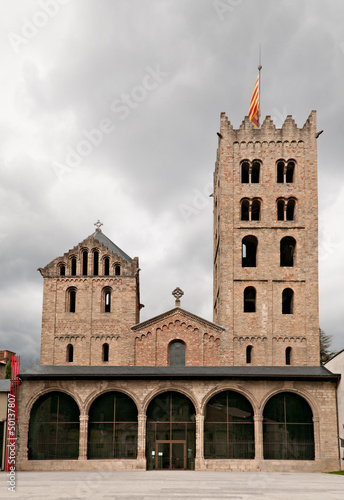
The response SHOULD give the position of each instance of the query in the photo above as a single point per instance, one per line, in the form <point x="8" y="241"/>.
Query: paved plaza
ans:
<point x="173" y="485"/>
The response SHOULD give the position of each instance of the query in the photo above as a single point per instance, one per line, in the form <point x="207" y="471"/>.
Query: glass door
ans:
<point x="170" y="455"/>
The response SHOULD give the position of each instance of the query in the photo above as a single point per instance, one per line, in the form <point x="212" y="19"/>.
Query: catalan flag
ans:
<point x="254" y="112"/>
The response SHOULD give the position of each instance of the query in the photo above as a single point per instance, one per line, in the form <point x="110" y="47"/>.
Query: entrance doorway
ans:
<point x="171" y="433"/>
<point x="170" y="455"/>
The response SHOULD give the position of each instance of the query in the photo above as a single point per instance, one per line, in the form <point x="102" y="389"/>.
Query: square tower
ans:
<point x="266" y="242"/>
<point x="91" y="298"/>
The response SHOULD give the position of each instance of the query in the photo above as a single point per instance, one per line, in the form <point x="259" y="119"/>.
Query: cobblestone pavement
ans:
<point x="172" y="485"/>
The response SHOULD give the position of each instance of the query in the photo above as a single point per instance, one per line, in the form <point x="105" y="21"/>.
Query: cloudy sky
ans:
<point x="109" y="110"/>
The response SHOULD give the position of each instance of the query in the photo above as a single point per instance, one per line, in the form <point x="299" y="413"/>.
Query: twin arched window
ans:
<point x="286" y="209"/>
<point x="250" y="172"/>
<point x="285" y="171"/>
<point x="250" y="209"/>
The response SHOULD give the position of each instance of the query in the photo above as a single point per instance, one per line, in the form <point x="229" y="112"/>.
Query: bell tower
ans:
<point x="91" y="298"/>
<point x="266" y="242"/>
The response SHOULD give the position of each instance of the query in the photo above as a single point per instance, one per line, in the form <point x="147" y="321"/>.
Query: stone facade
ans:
<point x="260" y="345"/>
<point x="321" y="396"/>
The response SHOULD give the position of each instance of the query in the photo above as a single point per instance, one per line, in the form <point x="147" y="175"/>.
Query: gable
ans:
<point x="153" y="339"/>
<point x="105" y="248"/>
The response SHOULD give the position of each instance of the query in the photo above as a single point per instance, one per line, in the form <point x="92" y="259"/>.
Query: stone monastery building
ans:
<point x="244" y="392"/>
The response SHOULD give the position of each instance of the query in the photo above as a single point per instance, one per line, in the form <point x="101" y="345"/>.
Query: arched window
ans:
<point x="106" y="299"/>
<point x="95" y="263"/>
<point x="177" y="353"/>
<point x="245" y="169"/>
<point x="280" y="172"/>
<point x="249" y="251"/>
<point x="171" y="432"/>
<point x="105" y="353"/>
<point x="280" y="209"/>
<point x="285" y="171"/>
<point x="290" y="209"/>
<point x="287" y="251"/>
<point x="250" y="299"/>
<point x="54" y="428"/>
<point x="62" y="269"/>
<point x="289" y="175"/>
<point x="70" y="353"/>
<point x="106" y="266"/>
<point x="249" y="349"/>
<point x="73" y="266"/>
<point x="71" y="300"/>
<point x="85" y="263"/>
<point x="287" y="301"/>
<point x="117" y="270"/>
<point x="255" y="209"/>
<point x="250" y="172"/>
<point x="255" y="172"/>
<point x="245" y="209"/>
<point x="112" y="427"/>
<point x="288" y="432"/>
<point x="288" y="356"/>
<point x="228" y="427"/>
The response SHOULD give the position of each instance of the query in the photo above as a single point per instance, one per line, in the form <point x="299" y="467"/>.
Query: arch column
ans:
<point x="83" y="437"/>
<point x="316" y="430"/>
<point x="141" y="439"/>
<point x="258" y="437"/>
<point x="23" y="440"/>
<point x="199" y="459"/>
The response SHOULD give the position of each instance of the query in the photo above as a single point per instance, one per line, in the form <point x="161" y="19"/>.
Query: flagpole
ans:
<point x="259" y="69"/>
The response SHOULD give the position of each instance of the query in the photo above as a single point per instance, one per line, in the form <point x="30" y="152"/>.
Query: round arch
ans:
<point x="229" y="426"/>
<point x="171" y="431"/>
<point x="96" y="393"/>
<point x="288" y="427"/>
<point x="169" y="388"/>
<point x="112" y="426"/>
<point x="229" y="387"/>
<point x="54" y="427"/>
<point x="304" y="394"/>
<point x="36" y="397"/>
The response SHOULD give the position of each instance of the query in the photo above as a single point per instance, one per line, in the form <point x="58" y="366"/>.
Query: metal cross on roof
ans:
<point x="98" y="224"/>
<point x="177" y="294"/>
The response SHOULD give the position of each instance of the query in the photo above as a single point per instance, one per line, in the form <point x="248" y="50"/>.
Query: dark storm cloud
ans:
<point x="157" y="156"/>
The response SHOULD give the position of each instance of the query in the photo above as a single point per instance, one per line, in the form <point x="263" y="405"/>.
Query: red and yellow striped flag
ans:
<point x="254" y="112"/>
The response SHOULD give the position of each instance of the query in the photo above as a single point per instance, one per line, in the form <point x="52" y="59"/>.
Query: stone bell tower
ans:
<point x="90" y="301"/>
<point x="266" y="242"/>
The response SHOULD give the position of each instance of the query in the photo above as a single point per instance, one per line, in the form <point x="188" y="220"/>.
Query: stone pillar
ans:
<point x="23" y="435"/>
<point x="316" y="426"/>
<point x="83" y="437"/>
<point x="258" y="437"/>
<point x="141" y="441"/>
<point x="199" y="461"/>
